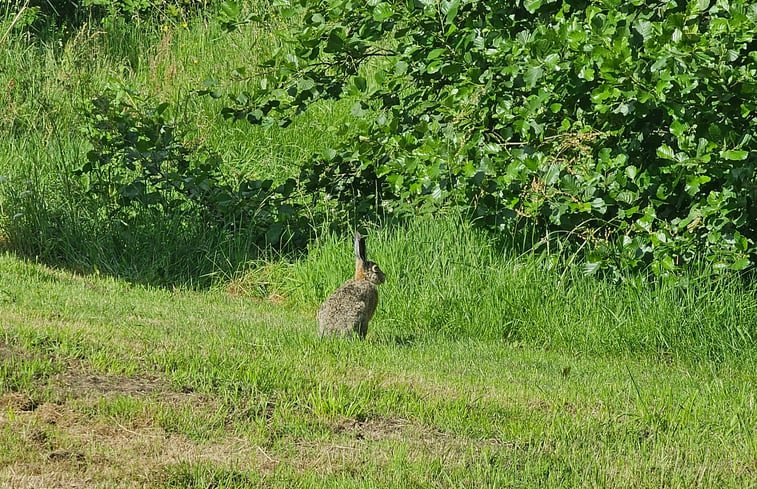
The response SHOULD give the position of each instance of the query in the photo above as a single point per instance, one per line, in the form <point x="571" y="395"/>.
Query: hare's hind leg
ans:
<point x="361" y="328"/>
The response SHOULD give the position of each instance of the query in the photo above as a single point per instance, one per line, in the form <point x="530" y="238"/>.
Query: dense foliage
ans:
<point x="626" y="126"/>
<point x="39" y="13"/>
<point x="142" y="165"/>
<point x="69" y="8"/>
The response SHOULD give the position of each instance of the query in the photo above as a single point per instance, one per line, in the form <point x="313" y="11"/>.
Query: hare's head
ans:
<point x="372" y="273"/>
<point x="364" y="269"/>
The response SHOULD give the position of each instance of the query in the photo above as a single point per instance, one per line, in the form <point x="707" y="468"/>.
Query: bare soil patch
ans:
<point x="58" y="443"/>
<point x="77" y="381"/>
<point x="60" y="446"/>
<point x="17" y="402"/>
<point x="367" y="444"/>
<point x="8" y="352"/>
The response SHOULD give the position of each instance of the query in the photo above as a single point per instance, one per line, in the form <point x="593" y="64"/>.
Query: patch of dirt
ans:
<point x="8" y="352"/>
<point x="5" y="351"/>
<point x="76" y="381"/>
<point x="371" y="442"/>
<point x="77" y="452"/>
<point x="66" y="455"/>
<point x="51" y="479"/>
<point x="383" y="428"/>
<point x="16" y="402"/>
<point x="61" y="444"/>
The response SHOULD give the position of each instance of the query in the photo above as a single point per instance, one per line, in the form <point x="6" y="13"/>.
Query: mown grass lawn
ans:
<point x="106" y="384"/>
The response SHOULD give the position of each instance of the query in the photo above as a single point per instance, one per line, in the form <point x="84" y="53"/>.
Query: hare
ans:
<point x="348" y="310"/>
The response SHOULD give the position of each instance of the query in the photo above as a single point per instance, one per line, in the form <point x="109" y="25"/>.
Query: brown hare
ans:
<point x="347" y="311"/>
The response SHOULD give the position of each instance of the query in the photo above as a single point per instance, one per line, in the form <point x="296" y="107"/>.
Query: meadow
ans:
<point x="191" y="359"/>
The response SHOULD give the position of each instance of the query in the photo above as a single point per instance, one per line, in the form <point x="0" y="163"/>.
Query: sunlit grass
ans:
<point x="446" y="279"/>
<point x="208" y="370"/>
<point x="481" y="368"/>
<point x="49" y="77"/>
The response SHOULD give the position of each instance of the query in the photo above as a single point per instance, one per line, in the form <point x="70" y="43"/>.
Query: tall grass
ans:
<point x="49" y="74"/>
<point x="446" y="279"/>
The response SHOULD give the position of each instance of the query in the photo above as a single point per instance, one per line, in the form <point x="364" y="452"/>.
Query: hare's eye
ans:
<point x="375" y="268"/>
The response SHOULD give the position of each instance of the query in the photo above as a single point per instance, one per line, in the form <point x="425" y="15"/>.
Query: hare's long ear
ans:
<point x="360" y="247"/>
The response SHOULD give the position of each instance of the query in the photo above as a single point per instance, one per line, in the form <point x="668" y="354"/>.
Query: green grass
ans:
<point x="47" y="79"/>
<point x="482" y="368"/>
<point x="253" y="397"/>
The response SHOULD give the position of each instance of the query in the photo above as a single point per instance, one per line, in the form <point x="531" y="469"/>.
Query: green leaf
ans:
<point x="586" y="73"/>
<point x="696" y="6"/>
<point x="668" y="263"/>
<point x="590" y="268"/>
<point x="740" y="264"/>
<point x="382" y="11"/>
<point x="360" y="83"/>
<point x="694" y="182"/>
<point x="335" y="41"/>
<point x="532" y="75"/>
<point x="450" y="10"/>
<point x="435" y="53"/>
<point x="665" y="152"/>
<point x="742" y="243"/>
<point x="532" y="5"/>
<point x="599" y="205"/>
<point x="434" y="67"/>
<point x="230" y="9"/>
<point x="678" y="128"/>
<point x="645" y="28"/>
<point x="304" y="84"/>
<point x="734" y="155"/>
<point x="552" y="174"/>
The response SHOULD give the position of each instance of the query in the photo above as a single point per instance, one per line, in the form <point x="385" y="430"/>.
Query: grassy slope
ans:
<point x="47" y="81"/>
<point x="115" y="384"/>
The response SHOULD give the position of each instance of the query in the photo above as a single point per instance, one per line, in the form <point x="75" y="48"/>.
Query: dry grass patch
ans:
<point x="66" y="449"/>
<point x="80" y="428"/>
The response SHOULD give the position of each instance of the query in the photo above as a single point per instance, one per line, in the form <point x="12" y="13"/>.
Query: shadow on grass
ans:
<point x="163" y="251"/>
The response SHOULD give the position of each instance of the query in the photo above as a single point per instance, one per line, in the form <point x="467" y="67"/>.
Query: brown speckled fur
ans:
<point x="349" y="309"/>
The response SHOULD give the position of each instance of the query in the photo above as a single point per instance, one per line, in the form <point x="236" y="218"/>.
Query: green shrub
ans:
<point x="77" y="12"/>
<point x="624" y="126"/>
<point x="141" y="166"/>
<point x="145" y="202"/>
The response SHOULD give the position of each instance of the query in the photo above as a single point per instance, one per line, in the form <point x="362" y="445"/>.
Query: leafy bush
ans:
<point x="142" y="166"/>
<point x="625" y="126"/>
<point x="144" y="202"/>
<point x="81" y="11"/>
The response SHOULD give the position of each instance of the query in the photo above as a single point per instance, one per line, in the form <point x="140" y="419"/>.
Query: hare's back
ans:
<point x="353" y="302"/>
